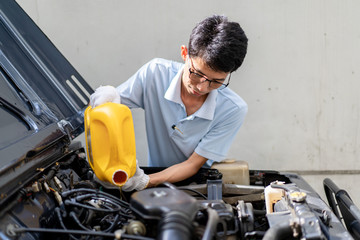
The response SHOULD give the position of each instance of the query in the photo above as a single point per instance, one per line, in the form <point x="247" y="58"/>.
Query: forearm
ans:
<point x="179" y="171"/>
<point x="171" y="174"/>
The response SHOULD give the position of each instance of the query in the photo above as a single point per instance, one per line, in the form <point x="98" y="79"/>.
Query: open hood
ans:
<point x="42" y="98"/>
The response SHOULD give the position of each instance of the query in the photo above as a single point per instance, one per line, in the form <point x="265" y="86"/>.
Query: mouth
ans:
<point x="194" y="91"/>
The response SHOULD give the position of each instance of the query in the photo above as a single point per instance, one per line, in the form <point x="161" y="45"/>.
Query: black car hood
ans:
<point x="42" y="98"/>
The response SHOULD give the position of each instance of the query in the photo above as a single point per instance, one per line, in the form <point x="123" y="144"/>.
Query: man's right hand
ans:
<point x="137" y="182"/>
<point x="104" y="94"/>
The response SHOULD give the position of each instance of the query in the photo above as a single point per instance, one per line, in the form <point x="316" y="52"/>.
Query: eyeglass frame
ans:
<point x="222" y="86"/>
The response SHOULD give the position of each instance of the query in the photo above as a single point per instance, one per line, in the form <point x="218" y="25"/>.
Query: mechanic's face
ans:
<point x="198" y="78"/>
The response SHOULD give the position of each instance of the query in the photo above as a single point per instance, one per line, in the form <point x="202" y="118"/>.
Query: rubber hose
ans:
<point x="175" y="226"/>
<point x="211" y="225"/>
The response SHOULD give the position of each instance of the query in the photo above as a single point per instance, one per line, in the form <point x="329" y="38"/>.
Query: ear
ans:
<point x="184" y="52"/>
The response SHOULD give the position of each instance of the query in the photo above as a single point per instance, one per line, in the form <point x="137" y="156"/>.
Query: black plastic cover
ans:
<point x="156" y="202"/>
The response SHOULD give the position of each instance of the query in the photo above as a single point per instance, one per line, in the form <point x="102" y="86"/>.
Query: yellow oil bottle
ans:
<point x="110" y="142"/>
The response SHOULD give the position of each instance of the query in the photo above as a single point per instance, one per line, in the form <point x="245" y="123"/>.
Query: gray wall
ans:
<point x="300" y="77"/>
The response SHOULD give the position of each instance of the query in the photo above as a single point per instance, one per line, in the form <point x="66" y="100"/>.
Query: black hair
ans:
<point x="220" y="43"/>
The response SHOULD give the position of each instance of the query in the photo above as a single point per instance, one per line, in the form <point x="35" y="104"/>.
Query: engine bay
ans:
<point x="66" y="201"/>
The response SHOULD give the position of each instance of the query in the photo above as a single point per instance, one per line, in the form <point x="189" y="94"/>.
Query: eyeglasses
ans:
<point x="213" y="84"/>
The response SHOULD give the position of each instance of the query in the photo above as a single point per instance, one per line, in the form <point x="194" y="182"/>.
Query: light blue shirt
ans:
<point x="209" y="132"/>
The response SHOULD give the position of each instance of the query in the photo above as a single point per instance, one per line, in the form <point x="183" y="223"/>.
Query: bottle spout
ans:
<point x="119" y="177"/>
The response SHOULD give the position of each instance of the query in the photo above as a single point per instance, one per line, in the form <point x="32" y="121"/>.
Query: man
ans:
<point x="191" y="116"/>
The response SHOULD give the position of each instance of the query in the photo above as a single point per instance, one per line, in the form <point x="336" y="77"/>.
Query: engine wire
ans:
<point x="79" y="232"/>
<point x="92" y="201"/>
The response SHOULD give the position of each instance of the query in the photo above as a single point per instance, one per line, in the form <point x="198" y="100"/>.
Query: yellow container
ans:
<point x="234" y="172"/>
<point x="110" y="142"/>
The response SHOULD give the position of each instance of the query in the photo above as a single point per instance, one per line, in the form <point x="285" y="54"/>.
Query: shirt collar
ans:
<point x="173" y="92"/>
<point x="207" y="110"/>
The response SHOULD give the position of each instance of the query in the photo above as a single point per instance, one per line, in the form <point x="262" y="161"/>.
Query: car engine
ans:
<point x="66" y="201"/>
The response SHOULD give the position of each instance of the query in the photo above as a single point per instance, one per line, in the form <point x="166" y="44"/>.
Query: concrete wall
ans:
<point x="300" y="77"/>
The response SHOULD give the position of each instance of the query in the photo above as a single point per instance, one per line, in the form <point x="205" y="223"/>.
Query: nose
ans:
<point x="202" y="84"/>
